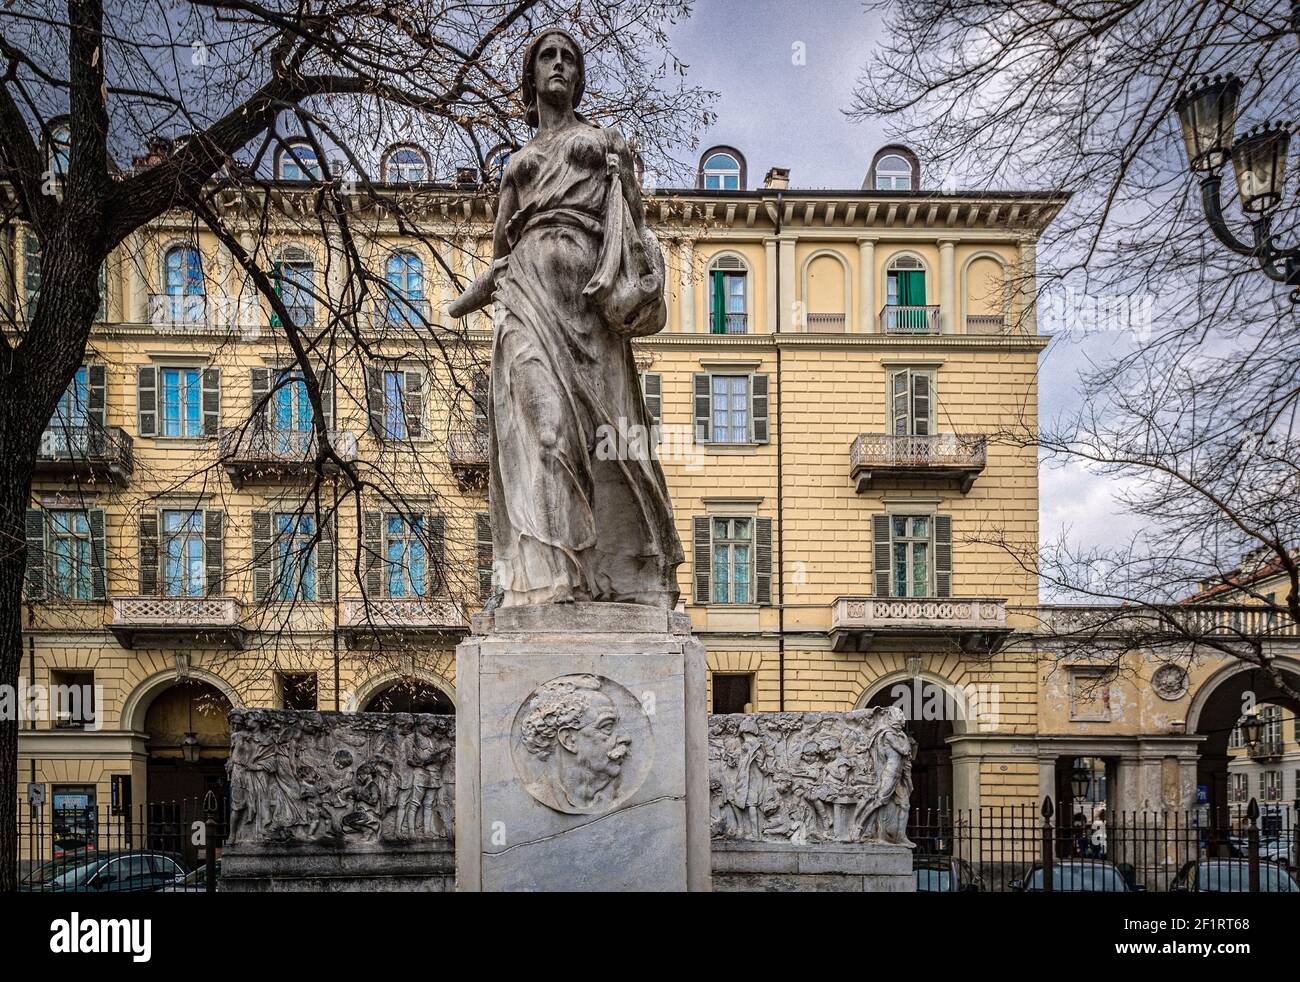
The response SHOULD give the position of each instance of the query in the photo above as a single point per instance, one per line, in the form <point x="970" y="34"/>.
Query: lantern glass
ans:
<point x="190" y="748"/>
<point x="1208" y="113"/>
<point x="1080" y="779"/>
<point x="1252" y="730"/>
<point x="1259" y="158"/>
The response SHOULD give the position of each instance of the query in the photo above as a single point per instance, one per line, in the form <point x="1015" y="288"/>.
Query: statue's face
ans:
<point x="555" y="70"/>
<point x="598" y="747"/>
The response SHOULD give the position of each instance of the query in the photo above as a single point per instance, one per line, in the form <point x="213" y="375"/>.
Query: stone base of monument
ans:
<point x="581" y="751"/>
<point x="829" y="867"/>
<point x="389" y="867"/>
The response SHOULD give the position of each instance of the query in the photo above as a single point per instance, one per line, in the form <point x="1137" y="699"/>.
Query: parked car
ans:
<point x="945" y="874"/>
<point x="195" y="881"/>
<point x="42" y="876"/>
<point x="1275" y="848"/>
<point x="1077" y="876"/>
<point x="118" y="872"/>
<point x="1232" y="876"/>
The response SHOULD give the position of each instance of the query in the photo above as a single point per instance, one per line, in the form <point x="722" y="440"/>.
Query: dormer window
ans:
<point x="59" y="151"/>
<point x="406" y="165"/>
<point x="298" y="162"/>
<point x="893" y="173"/>
<point x="722" y="169"/>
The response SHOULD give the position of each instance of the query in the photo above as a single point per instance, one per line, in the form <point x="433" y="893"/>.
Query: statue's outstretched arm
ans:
<point x="479" y="293"/>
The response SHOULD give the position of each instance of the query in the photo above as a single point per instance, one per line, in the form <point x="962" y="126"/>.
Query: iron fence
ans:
<point x="1242" y="848"/>
<point x="170" y="846"/>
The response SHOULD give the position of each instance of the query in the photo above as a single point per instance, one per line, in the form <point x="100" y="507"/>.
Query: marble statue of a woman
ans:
<point x="568" y="522"/>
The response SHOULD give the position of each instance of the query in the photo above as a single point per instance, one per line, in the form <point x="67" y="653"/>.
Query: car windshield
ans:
<point x="1066" y="877"/>
<point x="77" y="875"/>
<point x="1234" y="877"/>
<point x="933" y="878"/>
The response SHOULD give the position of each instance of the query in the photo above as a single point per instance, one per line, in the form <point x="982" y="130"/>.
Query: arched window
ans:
<point x="298" y="162"/>
<point x="295" y="278"/>
<point x="906" y="311"/>
<point x="728" y="295"/>
<point x="497" y="161"/>
<point x="59" y="151"/>
<point x="404" y="278"/>
<point x="182" y="297"/>
<point x="893" y="173"/>
<point x="406" y="164"/>
<point x="721" y="172"/>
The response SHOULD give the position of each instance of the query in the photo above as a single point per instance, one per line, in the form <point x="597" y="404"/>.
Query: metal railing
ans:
<point x="1168" y="621"/>
<point x="895" y="319"/>
<point x="985" y="323"/>
<point x="264" y="445"/>
<point x="300" y="315"/>
<point x="87" y="442"/>
<point x="1012" y="848"/>
<point x="935" y="450"/>
<point x="178" y="310"/>
<point x="826" y="323"/>
<point x="401" y="311"/>
<point x="467" y="448"/>
<point x="731" y="324"/>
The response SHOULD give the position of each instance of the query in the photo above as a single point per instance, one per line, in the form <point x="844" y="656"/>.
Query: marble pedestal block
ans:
<point x="581" y="751"/>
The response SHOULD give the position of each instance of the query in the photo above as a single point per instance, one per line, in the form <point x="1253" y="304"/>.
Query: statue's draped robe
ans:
<point x="566" y="523"/>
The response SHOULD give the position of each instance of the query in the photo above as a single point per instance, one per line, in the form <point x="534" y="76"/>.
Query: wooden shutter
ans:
<point x="325" y="379"/>
<point x="372" y="532"/>
<point x="375" y="400"/>
<point x="483" y="544"/>
<point x="763" y="560"/>
<point x="413" y="404"/>
<point x="211" y="401"/>
<point x="96" y="401"/>
<point x="652" y="389"/>
<point x="880" y="553"/>
<point x="259" y="386"/>
<point x="98" y="553"/>
<point x="703" y="558"/>
<point x="263" y="555"/>
<point x="899" y="391"/>
<point x="943" y="555"/>
<point x="34" y="581"/>
<point x="31" y="272"/>
<point x="325" y="558"/>
<point x="921" y="403"/>
<point x="148" y="553"/>
<point x="437" y="546"/>
<point x="147" y="400"/>
<point x="758" y="403"/>
<point x="214" y="549"/>
<point x="703" y="407"/>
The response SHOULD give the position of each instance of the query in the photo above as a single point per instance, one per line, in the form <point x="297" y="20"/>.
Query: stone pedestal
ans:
<point x="824" y="867"/>
<point x="581" y="751"/>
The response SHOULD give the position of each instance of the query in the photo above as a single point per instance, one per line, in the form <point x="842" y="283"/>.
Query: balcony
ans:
<point x="985" y="323"/>
<point x="1266" y="750"/>
<point x="257" y="455"/>
<point x="731" y="324"/>
<point x="300" y="315"/>
<point x="168" y="310"/>
<point x="826" y="323"/>
<point x="197" y="622"/>
<point x="977" y="624"/>
<point x="85" y="453"/>
<point x="401" y="312"/>
<point x="945" y="459"/>
<point x="909" y="320"/>
<point x="401" y="620"/>
<point x="467" y="452"/>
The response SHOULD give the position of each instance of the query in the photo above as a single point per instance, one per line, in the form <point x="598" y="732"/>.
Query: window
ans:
<point x="59" y="154"/>
<point x="728" y="310"/>
<point x="1270" y="786"/>
<point x="396" y="403"/>
<point x="72" y="414"/>
<point x="298" y="691"/>
<point x="893" y="173"/>
<point x="406" y="165"/>
<point x="912" y="555"/>
<point x="184" y="570"/>
<point x="1240" y="786"/>
<point x="652" y="391"/>
<point x="404" y="554"/>
<point x="183" y="272"/>
<point x="72" y="699"/>
<point x="74" y="818"/>
<point x="404" y="276"/>
<point x="295" y="281"/>
<point x="483" y="554"/>
<point x="731" y="409"/>
<point x="912" y="402"/>
<point x="182" y="396"/>
<point x="295" y="540"/>
<point x="733" y="559"/>
<point x="1271" y="735"/>
<point x="70" y="554"/>
<point x="31" y="270"/>
<point x="721" y="172"/>
<point x="733" y="693"/>
<point x="298" y="162"/>
<point x="66" y="554"/>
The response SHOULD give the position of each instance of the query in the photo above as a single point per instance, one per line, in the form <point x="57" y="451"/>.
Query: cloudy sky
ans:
<point x="788" y="111"/>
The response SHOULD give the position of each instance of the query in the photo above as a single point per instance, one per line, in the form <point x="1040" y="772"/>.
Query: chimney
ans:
<point x="777" y="179"/>
<point x="466" y="177"/>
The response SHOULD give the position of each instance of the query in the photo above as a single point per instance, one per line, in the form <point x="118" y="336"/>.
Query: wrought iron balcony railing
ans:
<point x="401" y="312"/>
<point x="389" y="619"/>
<point x="956" y="458"/>
<point x="978" y="624"/>
<point x="197" y="621"/>
<point x="467" y="452"/>
<point x="258" y="453"/>
<point x="731" y="324"/>
<point x="1266" y="749"/>
<point x="86" y="452"/>
<point x="170" y="310"/>
<point x="895" y="319"/>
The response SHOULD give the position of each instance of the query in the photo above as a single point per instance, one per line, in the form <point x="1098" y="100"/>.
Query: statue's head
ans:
<point x="554" y="72"/>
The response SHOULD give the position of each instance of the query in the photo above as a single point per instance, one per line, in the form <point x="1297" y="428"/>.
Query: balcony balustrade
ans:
<point x="258" y="454"/>
<point x="955" y="459"/>
<point x="977" y="624"/>
<point x="402" y="619"/>
<point x="909" y="320"/>
<point x="467" y="452"/>
<point x="86" y="453"/>
<point x="201" y="622"/>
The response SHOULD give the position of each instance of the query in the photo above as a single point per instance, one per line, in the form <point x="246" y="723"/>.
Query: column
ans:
<point x="948" y="288"/>
<point x="686" y="286"/>
<point x="867" y="309"/>
<point x="769" y="290"/>
<point x="785" y="273"/>
<point x="137" y="291"/>
<point x="1027" y="287"/>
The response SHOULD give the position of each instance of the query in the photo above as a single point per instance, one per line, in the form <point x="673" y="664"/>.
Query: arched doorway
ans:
<point x="408" y="694"/>
<point x="188" y="742"/>
<point x="935" y="711"/>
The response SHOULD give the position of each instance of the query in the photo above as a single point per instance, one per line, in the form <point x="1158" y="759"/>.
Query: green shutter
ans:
<point x="880" y="553"/>
<point x="146" y="397"/>
<point x="703" y="407"/>
<point x="437" y="550"/>
<point x="943" y="555"/>
<point x="703" y="558"/>
<point x="758" y="407"/>
<point x="98" y="553"/>
<point x="260" y="392"/>
<point x="375" y="400"/>
<point x="96" y="402"/>
<point x="911" y="288"/>
<point x="483" y="542"/>
<point x="372" y="533"/>
<point x="211" y="392"/>
<point x="719" y="320"/>
<point x="413" y="404"/>
<point x="34" y="583"/>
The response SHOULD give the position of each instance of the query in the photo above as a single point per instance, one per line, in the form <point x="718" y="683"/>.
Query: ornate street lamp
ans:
<point x="1080" y="779"/>
<point x="1252" y="730"/>
<point x="190" y="747"/>
<point x="1207" y="113"/>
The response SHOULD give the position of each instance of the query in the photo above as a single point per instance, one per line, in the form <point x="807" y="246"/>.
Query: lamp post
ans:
<point x="1207" y="114"/>
<point x="1252" y="730"/>
<point x="1080" y="779"/>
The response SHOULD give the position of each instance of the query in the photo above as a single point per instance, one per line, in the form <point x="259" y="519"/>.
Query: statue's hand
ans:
<point x="612" y="164"/>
